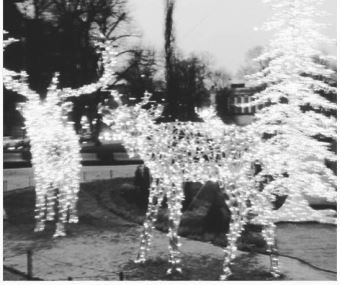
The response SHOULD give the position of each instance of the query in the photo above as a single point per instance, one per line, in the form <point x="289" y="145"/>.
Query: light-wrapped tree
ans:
<point x="293" y="123"/>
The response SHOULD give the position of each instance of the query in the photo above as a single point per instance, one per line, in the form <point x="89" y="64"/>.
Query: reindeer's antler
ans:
<point x="109" y="61"/>
<point x="9" y="41"/>
<point x="117" y="97"/>
<point x="17" y="81"/>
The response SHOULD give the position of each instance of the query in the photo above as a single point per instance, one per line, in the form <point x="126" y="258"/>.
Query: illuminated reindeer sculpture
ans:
<point x="55" y="158"/>
<point x="179" y="152"/>
<point x="54" y="143"/>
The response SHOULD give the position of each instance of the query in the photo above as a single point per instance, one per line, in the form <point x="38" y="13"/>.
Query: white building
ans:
<point x="240" y="95"/>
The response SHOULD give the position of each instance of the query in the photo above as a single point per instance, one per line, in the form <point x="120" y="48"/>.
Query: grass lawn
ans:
<point x="106" y="239"/>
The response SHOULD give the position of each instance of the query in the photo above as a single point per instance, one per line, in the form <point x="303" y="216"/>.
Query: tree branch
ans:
<point x="115" y="25"/>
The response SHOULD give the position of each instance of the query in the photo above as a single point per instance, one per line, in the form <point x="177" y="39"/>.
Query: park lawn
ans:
<point x="105" y="242"/>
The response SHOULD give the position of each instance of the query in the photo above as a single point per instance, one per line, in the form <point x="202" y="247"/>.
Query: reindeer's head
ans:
<point x="128" y="123"/>
<point x="51" y="111"/>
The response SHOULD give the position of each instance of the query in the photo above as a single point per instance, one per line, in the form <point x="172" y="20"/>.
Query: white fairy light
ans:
<point x="54" y="143"/>
<point x="179" y="152"/>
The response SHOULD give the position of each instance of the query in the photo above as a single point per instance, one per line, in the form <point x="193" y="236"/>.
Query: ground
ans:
<point x="105" y="242"/>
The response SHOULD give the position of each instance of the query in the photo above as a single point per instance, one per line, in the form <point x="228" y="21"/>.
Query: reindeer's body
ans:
<point x="181" y="152"/>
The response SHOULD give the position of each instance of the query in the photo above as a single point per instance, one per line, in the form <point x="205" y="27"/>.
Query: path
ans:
<point x="312" y="242"/>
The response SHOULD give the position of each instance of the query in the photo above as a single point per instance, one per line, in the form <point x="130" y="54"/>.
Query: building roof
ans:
<point x="240" y="89"/>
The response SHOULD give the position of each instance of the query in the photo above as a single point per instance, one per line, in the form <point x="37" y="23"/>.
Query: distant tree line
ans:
<point x="57" y="35"/>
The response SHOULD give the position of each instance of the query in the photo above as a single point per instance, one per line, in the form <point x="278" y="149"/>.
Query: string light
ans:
<point x="179" y="152"/>
<point x="54" y="143"/>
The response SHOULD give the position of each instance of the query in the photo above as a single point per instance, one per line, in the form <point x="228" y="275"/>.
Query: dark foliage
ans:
<point x="222" y="97"/>
<point x="142" y="180"/>
<point x="57" y="37"/>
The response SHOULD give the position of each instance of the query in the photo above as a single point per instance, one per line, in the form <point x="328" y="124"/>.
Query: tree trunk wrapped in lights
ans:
<point x="179" y="152"/>
<point x="293" y="116"/>
<point x="54" y="143"/>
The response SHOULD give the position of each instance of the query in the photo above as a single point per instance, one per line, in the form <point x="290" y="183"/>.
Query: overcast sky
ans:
<point x="224" y="28"/>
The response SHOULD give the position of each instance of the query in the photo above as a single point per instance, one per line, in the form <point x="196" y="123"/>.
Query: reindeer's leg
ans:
<point x="263" y="208"/>
<point x="237" y="209"/>
<point x="74" y="180"/>
<point x="175" y="198"/>
<point x="73" y="212"/>
<point x="50" y="202"/>
<point x="40" y="205"/>
<point x="62" y="211"/>
<point x="155" y="200"/>
<point x="74" y="189"/>
<point x="269" y="235"/>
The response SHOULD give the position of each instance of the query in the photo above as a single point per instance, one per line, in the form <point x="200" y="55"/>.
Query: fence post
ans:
<point x="84" y="176"/>
<point x="121" y="276"/>
<point x="111" y="174"/>
<point x="29" y="265"/>
<point x="4" y="215"/>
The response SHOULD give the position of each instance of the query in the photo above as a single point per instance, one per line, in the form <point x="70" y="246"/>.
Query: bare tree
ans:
<point x="251" y="65"/>
<point x="72" y="26"/>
